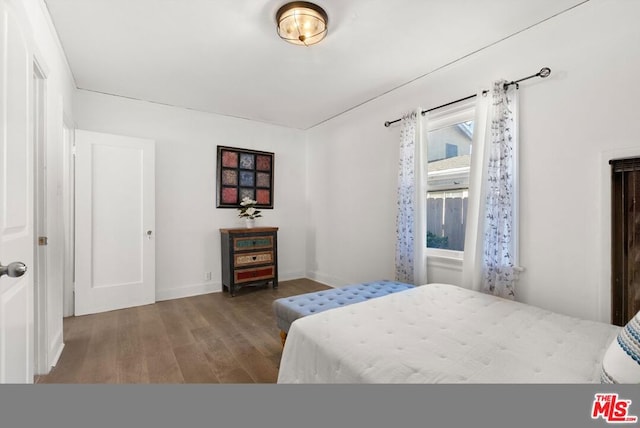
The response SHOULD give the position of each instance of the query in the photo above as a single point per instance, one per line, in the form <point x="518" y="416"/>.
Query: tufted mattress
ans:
<point x="441" y="333"/>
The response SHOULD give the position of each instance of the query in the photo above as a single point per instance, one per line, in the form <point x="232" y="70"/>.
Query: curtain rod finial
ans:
<point x="545" y="72"/>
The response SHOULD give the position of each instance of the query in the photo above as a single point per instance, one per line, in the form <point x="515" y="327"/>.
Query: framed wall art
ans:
<point x="244" y="173"/>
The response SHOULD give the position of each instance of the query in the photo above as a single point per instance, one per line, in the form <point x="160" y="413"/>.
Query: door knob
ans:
<point x="13" y="270"/>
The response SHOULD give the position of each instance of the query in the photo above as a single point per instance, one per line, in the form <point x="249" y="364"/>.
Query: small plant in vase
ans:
<point x="248" y="211"/>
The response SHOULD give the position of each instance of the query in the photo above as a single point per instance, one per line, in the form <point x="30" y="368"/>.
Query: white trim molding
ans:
<point x="443" y="262"/>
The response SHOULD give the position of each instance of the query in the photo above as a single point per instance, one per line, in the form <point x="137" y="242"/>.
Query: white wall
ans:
<point x="588" y="106"/>
<point x="187" y="220"/>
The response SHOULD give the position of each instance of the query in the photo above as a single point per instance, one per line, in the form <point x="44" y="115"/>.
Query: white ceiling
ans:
<point x="224" y="56"/>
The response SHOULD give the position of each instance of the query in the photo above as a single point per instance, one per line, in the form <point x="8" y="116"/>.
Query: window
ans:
<point x="449" y="136"/>
<point x="452" y="150"/>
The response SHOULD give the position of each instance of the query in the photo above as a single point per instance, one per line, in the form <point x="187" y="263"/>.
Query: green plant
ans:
<point x="434" y="241"/>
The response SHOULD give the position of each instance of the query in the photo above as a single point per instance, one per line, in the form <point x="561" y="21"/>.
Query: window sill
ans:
<point x="444" y="254"/>
<point x="445" y="261"/>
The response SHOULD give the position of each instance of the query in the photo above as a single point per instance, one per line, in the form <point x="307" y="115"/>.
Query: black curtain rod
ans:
<point x="544" y="72"/>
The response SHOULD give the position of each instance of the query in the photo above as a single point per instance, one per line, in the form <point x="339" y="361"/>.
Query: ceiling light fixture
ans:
<point x="302" y="23"/>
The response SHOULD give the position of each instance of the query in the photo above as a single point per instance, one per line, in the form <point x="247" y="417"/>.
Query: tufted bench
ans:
<point x="289" y="309"/>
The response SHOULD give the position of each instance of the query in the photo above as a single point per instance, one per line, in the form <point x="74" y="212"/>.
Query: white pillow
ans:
<point x="621" y="362"/>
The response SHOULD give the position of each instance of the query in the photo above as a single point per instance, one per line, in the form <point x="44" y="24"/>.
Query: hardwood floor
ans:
<point x="213" y="338"/>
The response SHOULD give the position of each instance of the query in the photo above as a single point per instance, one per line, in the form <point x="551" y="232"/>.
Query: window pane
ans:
<point x="451" y="141"/>
<point x="446" y="219"/>
<point x="449" y="160"/>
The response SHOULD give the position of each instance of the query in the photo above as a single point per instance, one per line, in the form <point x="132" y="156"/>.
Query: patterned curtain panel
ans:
<point x="499" y="263"/>
<point x="405" y="216"/>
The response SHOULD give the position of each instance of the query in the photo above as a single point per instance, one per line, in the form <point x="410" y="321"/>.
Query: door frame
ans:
<point x="68" y="212"/>
<point x="39" y="144"/>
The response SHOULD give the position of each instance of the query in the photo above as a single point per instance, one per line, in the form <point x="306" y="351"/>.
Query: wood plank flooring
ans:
<point x="213" y="338"/>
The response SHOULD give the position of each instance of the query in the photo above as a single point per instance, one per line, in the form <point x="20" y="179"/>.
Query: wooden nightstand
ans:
<point x="249" y="257"/>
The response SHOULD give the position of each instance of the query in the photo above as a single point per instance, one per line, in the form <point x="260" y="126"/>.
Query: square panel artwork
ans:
<point x="244" y="173"/>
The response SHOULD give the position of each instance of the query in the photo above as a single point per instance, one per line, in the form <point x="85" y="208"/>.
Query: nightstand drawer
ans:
<point x="252" y="242"/>
<point x="248" y="259"/>
<point x="254" y="274"/>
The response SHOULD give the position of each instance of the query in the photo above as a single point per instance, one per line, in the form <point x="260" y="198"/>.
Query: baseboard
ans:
<point x="188" y="291"/>
<point x="328" y="280"/>
<point x="288" y="276"/>
<point x="55" y="351"/>
<point x="210" y="287"/>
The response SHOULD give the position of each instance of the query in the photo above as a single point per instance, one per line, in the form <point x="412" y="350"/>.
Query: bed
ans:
<point x="441" y="333"/>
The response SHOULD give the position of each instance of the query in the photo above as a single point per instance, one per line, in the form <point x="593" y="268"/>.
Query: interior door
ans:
<point x="16" y="203"/>
<point x="115" y="222"/>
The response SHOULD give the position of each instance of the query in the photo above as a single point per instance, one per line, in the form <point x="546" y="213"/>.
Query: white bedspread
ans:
<point x="441" y="333"/>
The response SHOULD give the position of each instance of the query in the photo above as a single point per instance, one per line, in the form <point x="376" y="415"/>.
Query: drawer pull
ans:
<point x="254" y="258"/>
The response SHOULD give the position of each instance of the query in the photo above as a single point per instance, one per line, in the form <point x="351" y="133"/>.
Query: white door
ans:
<point x="16" y="203"/>
<point x="115" y="222"/>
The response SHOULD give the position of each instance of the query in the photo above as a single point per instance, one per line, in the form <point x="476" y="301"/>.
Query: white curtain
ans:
<point x="500" y="227"/>
<point x="490" y="258"/>
<point x="410" y="266"/>
<point x="473" y="240"/>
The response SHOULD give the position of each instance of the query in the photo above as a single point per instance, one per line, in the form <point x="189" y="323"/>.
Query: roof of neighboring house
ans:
<point x="450" y="163"/>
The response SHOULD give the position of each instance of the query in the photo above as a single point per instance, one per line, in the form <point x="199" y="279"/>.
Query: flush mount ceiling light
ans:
<point x="302" y="23"/>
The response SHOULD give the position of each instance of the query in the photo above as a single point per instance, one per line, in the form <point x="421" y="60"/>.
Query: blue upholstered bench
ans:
<point x="289" y="309"/>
